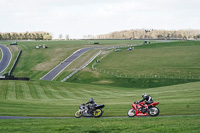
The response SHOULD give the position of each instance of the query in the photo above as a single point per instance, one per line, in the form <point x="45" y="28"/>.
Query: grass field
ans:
<point x="33" y="98"/>
<point x="154" y="65"/>
<point x="22" y="98"/>
<point x="103" y="125"/>
<point x="35" y="63"/>
<point x="164" y="59"/>
<point x="177" y="96"/>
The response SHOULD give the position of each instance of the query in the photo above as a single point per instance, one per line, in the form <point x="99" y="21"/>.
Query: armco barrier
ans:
<point x="14" y="78"/>
<point x="12" y="68"/>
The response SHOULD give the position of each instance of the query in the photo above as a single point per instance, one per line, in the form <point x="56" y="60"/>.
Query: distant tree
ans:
<point x="67" y="37"/>
<point x="60" y="36"/>
<point x="47" y="37"/>
<point x="160" y="36"/>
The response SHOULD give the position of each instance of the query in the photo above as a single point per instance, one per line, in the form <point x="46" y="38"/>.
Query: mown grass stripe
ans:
<point x="26" y="90"/>
<point x="34" y="92"/>
<point x="76" y="92"/>
<point x="86" y="92"/>
<point x="3" y="90"/>
<point x="41" y="92"/>
<point x="48" y="92"/>
<point x="69" y="93"/>
<point x="62" y="92"/>
<point x="19" y="91"/>
<point x="11" y="94"/>
<point x="55" y="92"/>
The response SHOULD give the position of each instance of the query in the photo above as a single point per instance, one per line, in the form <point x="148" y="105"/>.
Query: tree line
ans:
<point x="26" y="36"/>
<point x="152" y="34"/>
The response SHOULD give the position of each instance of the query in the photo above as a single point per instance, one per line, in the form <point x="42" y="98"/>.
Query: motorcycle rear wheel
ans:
<point x="153" y="111"/>
<point x="97" y="113"/>
<point x="131" y="112"/>
<point x="78" y="114"/>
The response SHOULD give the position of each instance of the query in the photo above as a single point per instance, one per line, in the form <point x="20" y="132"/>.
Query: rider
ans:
<point x="148" y="99"/>
<point x="91" y="105"/>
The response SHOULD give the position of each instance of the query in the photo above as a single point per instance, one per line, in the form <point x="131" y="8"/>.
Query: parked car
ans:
<point x="118" y="50"/>
<point x="13" y="43"/>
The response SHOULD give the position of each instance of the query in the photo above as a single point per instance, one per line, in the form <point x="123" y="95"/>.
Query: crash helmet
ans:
<point x="144" y="95"/>
<point x="91" y="100"/>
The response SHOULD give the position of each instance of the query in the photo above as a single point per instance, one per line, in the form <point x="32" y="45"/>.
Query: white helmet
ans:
<point x="144" y="94"/>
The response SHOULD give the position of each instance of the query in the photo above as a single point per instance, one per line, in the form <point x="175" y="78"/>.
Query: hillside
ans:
<point x="44" y="98"/>
<point x="118" y="80"/>
<point x="35" y="63"/>
<point x="153" y="65"/>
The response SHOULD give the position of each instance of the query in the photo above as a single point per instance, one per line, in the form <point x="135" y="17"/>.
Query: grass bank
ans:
<point x="35" y="63"/>
<point x="22" y="98"/>
<point x="154" y="65"/>
<point x="102" y="125"/>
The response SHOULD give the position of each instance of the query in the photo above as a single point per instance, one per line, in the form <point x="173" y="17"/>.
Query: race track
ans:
<point x="23" y="117"/>
<point x="59" y="68"/>
<point x="6" y="57"/>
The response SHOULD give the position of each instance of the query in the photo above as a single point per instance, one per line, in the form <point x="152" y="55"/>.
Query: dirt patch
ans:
<point x="55" y="58"/>
<point x="13" y="48"/>
<point x="95" y="73"/>
<point x="105" y="52"/>
<point x="46" y="65"/>
<point x="104" y="82"/>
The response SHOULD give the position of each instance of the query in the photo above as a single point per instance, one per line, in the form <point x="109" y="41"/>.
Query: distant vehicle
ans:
<point x="13" y="43"/>
<point x="118" y="50"/>
<point x="129" y="49"/>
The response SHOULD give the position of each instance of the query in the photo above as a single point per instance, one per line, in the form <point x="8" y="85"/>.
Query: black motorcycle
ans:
<point x="89" y="111"/>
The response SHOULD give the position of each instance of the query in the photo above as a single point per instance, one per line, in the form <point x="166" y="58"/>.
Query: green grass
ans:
<point x="103" y="125"/>
<point x="22" y="98"/>
<point x="45" y="98"/>
<point x="164" y="59"/>
<point x="153" y="65"/>
<point x="35" y="63"/>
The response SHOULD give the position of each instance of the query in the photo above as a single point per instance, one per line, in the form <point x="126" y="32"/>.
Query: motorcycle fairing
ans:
<point x="154" y="103"/>
<point x="99" y="106"/>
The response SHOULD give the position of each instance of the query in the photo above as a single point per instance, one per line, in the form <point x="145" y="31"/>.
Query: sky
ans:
<point x="93" y="17"/>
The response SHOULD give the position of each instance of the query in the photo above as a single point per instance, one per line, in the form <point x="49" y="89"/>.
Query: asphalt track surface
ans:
<point x="59" y="68"/>
<point x="23" y="117"/>
<point x="4" y="62"/>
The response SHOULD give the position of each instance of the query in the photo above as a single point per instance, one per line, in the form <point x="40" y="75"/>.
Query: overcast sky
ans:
<point x="83" y="17"/>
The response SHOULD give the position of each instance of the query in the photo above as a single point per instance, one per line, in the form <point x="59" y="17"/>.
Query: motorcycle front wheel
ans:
<point x="131" y="113"/>
<point x="97" y="113"/>
<point x="153" y="111"/>
<point x="78" y="114"/>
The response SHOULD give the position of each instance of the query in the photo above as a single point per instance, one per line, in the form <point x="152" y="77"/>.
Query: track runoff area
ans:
<point x="24" y="117"/>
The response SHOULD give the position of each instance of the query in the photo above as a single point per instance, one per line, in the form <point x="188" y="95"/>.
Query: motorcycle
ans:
<point x="89" y="111"/>
<point x="140" y="109"/>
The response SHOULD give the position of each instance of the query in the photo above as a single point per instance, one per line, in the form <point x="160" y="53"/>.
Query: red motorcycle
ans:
<point x="140" y="109"/>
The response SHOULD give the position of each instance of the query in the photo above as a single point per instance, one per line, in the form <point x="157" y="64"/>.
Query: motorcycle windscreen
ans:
<point x="100" y="106"/>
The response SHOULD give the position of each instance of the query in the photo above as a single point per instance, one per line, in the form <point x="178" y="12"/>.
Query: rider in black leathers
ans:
<point x="146" y="97"/>
<point x="91" y="105"/>
<point x="148" y="100"/>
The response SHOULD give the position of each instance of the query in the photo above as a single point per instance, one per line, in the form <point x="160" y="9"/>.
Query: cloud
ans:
<point x="82" y="17"/>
